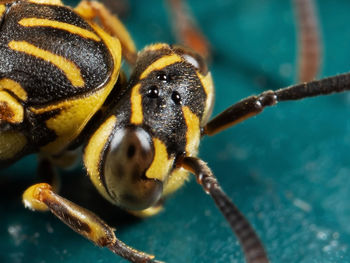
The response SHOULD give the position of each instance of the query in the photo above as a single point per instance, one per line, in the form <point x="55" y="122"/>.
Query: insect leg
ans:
<point x="309" y="39"/>
<point x="254" y="105"/>
<point x="41" y="197"/>
<point x="251" y="244"/>
<point x="47" y="173"/>
<point x="186" y="29"/>
<point x="91" y="10"/>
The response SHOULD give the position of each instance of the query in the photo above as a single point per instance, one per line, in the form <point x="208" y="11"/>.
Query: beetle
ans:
<point x="141" y="132"/>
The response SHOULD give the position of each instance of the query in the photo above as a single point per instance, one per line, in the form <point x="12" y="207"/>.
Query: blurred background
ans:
<point x="288" y="169"/>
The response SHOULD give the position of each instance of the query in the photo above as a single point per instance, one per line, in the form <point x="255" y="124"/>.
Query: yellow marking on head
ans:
<point x="39" y="22"/>
<point x="193" y="131"/>
<point x="71" y="71"/>
<point x="2" y="10"/>
<point x="157" y="46"/>
<point x="207" y="83"/>
<point x="10" y="109"/>
<point x="136" y="105"/>
<point x="11" y="143"/>
<point x="14" y="87"/>
<point x="93" y="151"/>
<point x="46" y="2"/>
<point x="161" y="163"/>
<point x="161" y="63"/>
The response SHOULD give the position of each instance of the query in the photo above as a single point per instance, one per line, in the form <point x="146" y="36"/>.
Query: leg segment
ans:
<point x="253" y="105"/>
<point x="186" y="30"/>
<point x="47" y="173"/>
<point x="309" y="39"/>
<point x="251" y="244"/>
<point x="91" y="10"/>
<point x="41" y="197"/>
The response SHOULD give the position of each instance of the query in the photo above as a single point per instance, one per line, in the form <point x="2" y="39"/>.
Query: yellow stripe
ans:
<point x="46" y="2"/>
<point x="193" y="131"/>
<point x="69" y="68"/>
<point x="161" y="63"/>
<point x="75" y="113"/>
<point x="2" y="10"/>
<point x="93" y="151"/>
<point x="161" y="163"/>
<point x="207" y="83"/>
<point x="15" y="87"/>
<point x="37" y="22"/>
<point x="10" y="109"/>
<point x="136" y="105"/>
<point x="156" y="47"/>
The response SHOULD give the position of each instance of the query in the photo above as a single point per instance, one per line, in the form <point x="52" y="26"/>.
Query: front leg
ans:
<point x="40" y="197"/>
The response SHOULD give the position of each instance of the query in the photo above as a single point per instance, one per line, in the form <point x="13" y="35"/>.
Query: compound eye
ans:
<point x="127" y="159"/>
<point x="153" y="92"/>
<point x="175" y="96"/>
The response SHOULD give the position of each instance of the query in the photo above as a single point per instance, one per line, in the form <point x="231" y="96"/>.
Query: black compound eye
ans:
<point x="175" y="96"/>
<point x="162" y="76"/>
<point x="153" y="92"/>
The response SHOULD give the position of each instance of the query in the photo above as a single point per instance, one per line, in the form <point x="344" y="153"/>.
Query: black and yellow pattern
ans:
<point x="61" y="50"/>
<point x="56" y="70"/>
<point x="168" y="96"/>
<point x="59" y="91"/>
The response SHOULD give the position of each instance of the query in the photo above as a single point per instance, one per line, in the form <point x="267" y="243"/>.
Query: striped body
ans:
<point x="56" y="70"/>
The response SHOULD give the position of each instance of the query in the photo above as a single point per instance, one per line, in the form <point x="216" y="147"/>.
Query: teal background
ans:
<point x="288" y="169"/>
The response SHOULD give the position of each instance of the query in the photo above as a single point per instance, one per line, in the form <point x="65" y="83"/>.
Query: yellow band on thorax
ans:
<point x="14" y="87"/>
<point x="10" y="109"/>
<point x="39" y="22"/>
<point x="71" y="71"/>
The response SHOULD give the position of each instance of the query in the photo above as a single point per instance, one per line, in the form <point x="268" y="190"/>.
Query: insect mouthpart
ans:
<point x="127" y="159"/>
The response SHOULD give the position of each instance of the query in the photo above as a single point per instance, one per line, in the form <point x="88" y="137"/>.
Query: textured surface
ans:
<point x="288" y="169"/>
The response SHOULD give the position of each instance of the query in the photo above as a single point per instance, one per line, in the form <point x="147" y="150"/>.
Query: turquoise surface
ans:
<point x="288" y="169"/>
